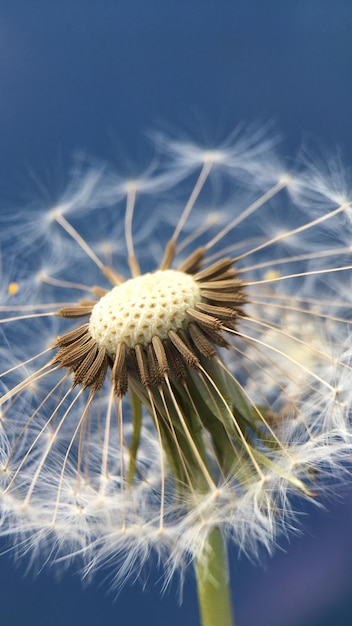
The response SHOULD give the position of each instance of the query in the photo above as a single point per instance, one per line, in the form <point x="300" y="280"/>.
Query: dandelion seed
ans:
<point x="182" y="404"/>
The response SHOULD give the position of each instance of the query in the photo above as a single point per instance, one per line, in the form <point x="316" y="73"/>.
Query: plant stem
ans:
<point x="136" y="407"/>
<point x="213" y="582"/>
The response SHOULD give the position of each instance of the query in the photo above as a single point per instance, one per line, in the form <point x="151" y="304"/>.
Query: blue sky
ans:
<point x="96" y="76"/>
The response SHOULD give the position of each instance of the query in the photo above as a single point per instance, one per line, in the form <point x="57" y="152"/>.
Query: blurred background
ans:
<point x="95" y="76"/>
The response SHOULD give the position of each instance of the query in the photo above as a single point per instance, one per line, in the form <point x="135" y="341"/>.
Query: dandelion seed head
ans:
<point x="154" y="389"/>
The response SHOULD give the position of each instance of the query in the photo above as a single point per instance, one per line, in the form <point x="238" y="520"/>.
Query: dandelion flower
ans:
<point x="175" y="361"/>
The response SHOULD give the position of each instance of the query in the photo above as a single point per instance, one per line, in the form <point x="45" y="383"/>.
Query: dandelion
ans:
<point x="168" y="397"/>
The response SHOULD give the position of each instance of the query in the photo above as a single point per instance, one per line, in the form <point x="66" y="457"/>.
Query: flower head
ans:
<point x="204" y="390"/>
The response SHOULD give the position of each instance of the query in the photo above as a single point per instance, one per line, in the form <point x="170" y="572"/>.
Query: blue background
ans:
<point x="95" y="75"/>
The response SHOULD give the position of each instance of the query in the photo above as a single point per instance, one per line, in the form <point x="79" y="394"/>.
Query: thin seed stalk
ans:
<point x="213" y="582"/>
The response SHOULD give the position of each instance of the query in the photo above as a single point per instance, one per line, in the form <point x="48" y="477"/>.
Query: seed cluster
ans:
<point x="153" y="325"/>
<point x="143" y="307"/>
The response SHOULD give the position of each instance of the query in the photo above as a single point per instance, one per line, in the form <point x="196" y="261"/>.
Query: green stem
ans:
<point x="136" y="407"/>
<point x="213" y="582"/>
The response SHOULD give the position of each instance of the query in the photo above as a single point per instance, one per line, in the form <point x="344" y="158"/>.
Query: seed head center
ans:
<point x="143" y="307"/>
